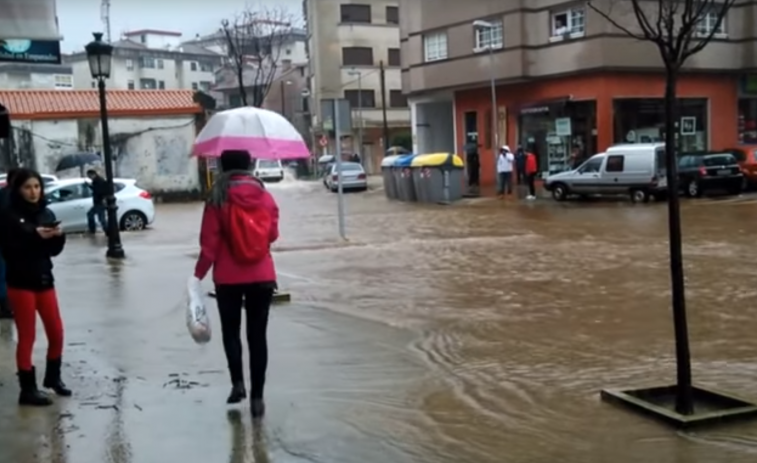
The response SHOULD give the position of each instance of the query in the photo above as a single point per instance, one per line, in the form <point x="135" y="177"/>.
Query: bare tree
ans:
<point x="254" y="41"/>
<point x="679" y="29"/>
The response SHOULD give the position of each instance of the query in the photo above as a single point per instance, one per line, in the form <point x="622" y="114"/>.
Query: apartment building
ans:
<point x="347" y="42"/>
<point x="152" y="59"/>
<point x="20" y="76"/>
<point x="566" y="80"/>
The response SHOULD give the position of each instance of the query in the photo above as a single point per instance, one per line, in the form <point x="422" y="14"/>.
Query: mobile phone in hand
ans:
<point x="53" y="224"/>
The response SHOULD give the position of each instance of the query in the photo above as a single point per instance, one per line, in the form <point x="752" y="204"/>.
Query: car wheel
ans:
<point x="693" y="190"/>
<point x="559" y="192"/>
<point x="639" y="196"/>
<point x="133" y="221"/>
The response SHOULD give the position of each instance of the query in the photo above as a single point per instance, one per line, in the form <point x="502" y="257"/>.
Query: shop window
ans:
<point x="709" y="25"/>
<point x="561" y="134"/>
<point x="615" y="163"/>
<point x="747" y="121"/>
<point x="435" y="47"/>
<point x="642" y="120"/>
<point x="490" y="36"/>
<point x="568" y="24"/>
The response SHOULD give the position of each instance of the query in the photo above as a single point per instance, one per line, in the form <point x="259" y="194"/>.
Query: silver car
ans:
<point x="353" y="177"/>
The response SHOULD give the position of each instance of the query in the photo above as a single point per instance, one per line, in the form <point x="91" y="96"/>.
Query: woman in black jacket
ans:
<point x="30" y="236"/>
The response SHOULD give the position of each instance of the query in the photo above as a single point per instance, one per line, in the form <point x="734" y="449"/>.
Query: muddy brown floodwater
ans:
<point x="475" y="333"/>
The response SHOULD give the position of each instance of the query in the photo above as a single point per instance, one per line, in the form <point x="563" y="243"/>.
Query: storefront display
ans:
<point x="642" y="120"/>
<point x="553" y="131"/>
<point x="747" y="121"/>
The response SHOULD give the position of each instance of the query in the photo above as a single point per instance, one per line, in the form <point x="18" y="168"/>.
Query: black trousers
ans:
<point x="256" y="299"/>
<point x="531" y="181"/>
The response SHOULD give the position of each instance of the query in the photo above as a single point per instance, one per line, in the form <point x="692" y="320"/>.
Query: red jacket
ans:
<point x="531" y="166"/>
<point x="215" y="252"/>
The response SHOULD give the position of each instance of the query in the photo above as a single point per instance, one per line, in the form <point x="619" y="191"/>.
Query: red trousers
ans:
<point x="25" y="305"/>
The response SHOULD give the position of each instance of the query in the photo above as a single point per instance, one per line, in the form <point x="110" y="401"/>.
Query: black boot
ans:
<point x="257" y="407"/>
<point x="53" y="381"/>
<point x="238" y="393"/>
<point x="30" y="395"/>
<point x="5" y="309"/>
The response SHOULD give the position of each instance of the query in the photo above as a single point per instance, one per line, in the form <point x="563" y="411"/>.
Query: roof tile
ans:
<point x="54" y="104"/>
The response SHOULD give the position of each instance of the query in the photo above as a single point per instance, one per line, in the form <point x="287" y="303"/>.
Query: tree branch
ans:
<point x="255" y="43"/>
<point x="608" y="17"/>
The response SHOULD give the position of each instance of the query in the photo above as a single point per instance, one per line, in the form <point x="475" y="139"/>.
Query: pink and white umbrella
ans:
<point x="262" y="133"/>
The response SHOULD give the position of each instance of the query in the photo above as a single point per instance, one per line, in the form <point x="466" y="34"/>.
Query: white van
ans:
<point x="268" y="170"/>
<point x="637" y="170"/>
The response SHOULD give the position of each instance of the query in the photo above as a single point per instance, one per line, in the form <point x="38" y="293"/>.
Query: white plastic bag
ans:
<point x="198" y="322"/>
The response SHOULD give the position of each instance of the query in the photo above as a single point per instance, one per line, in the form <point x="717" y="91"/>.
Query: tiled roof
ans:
<point x="67" y="104"/>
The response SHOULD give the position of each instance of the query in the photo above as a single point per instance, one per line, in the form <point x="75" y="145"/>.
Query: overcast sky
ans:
<point x="79" y="18"/>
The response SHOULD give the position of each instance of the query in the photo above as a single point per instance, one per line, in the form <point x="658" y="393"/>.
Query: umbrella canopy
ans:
<point x="394" y="150"/>
<point x="262" y="133"/>
<point x="326" y="158"/>
<point x="77" y="160"/>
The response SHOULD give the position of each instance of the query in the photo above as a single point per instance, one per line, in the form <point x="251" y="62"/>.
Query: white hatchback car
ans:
<point x="46" y="179"/>
<point x="268" y="170"/>
<point x="71" y="198"/>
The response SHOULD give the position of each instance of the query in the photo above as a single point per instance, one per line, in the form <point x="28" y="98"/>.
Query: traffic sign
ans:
<point x="324" y="142"/>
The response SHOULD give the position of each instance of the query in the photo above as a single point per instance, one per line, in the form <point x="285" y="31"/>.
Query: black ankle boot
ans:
<point x="52" y="379"/>
<point x="30" y="395"/>
<point x="238" y="393"/>
<point x="5" y="310"/>
<point x="257" y="408"/>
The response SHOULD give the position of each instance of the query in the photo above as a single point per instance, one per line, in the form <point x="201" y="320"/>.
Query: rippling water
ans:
<point x="523" y="312"/>
<point x="480" y="332"/>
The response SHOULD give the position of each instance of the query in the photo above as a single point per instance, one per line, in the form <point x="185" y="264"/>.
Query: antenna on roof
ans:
<point x="105" y="17"/>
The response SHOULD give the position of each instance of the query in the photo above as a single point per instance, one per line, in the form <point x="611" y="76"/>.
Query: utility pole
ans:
<point x="359" y="112"/>
<point x="383" y="104"/>
<point x="283" y="99"/>
<point x="105" y="17"/>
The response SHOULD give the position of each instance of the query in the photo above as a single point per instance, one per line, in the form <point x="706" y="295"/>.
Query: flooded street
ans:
<point x="474" y="333"/>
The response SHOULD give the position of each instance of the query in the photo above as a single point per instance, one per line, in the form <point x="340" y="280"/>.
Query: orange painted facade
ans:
<point x="720" y="91"/>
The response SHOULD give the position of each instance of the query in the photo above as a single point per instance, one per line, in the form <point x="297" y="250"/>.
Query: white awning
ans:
<point x="28" y="19"/>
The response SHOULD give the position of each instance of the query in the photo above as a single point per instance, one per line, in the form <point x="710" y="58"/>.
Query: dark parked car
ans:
<point x="713" y="171"/>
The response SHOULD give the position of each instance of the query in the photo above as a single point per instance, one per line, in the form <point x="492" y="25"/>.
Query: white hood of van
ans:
<point x="559" y="176"/>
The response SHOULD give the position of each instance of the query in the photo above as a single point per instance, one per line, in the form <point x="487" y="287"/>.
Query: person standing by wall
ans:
<point x="505" y="161"/>
<point x="30" y="236"/>
<point x="520" y="165"/>
<point x="6" y="311"/>
<point x="239" y="224"/>
<point x="99" y="188"/>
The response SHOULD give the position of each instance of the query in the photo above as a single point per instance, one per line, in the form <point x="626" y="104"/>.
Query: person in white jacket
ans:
<point x="505" y="161"/>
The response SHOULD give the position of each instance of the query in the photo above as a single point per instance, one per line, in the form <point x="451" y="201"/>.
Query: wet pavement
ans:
<point x="474" y="333"/>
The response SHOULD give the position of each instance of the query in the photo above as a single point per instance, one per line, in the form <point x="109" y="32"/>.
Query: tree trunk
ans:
<point x="240" y="80"/>
<point x="684" y="399"/>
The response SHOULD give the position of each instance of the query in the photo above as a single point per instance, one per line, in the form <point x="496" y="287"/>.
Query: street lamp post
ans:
<point x="359" y="111"/>
<point x="486" y="25"/>
<point x="99" y="54"/>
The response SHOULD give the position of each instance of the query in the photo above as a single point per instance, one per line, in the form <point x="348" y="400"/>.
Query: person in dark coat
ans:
<point x="520" y="165"/>
<point x="30" y="236"/>
<point x="5" y="309"/>
<point x="99" y="189"/>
